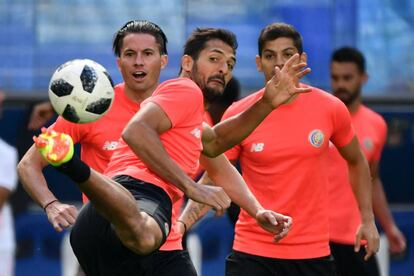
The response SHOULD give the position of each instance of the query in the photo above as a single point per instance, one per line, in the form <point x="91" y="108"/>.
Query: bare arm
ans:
<point x="225" y="175"/>
<point x="362" y="187"/>
<point x="142" y="136"/>
<point x="396" y="239"/>
<point x="31" y="176"/>
<point x="281" y="88"/>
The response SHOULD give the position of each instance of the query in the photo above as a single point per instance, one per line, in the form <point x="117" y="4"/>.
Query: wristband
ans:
<point x="44" y="208"/>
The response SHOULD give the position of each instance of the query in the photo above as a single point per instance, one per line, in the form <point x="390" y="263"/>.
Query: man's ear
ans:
<point x="303" y="57"/>
<point x="164" y="61"/>
<point x="187" y="63"/>
<point x="259" y="63"/>
<point x="118" y="63"/>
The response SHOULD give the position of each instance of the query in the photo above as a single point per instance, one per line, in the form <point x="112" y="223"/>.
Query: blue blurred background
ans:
<point x="37" y="36"/>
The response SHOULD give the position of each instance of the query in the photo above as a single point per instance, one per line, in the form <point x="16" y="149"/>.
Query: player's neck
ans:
<point x="354" y="106"/>
<point x="138" y="96"/>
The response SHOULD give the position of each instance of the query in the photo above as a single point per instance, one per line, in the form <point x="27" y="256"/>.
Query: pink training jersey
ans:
<point x="283" y="164"/>
<point x="174" y="239"/>
<point x="182" y="101"/>
<point x="345" y="218"/>
<point x="99" y="139"/>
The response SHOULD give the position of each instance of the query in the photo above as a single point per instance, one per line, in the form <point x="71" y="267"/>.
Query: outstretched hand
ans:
<point x="275" y="223"/>
<point x="285" y="83"/>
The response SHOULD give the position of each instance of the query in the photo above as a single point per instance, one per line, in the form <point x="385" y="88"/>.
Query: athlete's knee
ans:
<point x="145" y="237"/>
<point x="143" y="243"/>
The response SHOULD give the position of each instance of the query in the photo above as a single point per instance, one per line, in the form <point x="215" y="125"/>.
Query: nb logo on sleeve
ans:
<point x="196" y="132"/>
<point x="110" y="145"/>
<point x="257" y="147"/>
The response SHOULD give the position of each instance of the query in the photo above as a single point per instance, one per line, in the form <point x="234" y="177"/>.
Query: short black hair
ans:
<point x="277" y="30"/>
<point x="140" y="26"/>
<point x="350" y="54"/>
<point x="200" y="36"/>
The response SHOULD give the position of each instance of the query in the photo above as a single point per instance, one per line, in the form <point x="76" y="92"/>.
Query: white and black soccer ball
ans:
<point x="81" y="91"/>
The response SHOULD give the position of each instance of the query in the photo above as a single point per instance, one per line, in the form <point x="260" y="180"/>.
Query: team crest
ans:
<point x="316" y="138"/>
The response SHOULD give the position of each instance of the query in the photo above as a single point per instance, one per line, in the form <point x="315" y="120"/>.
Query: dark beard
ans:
<point x="210" y="94"/>
<point x="347" y="100"/>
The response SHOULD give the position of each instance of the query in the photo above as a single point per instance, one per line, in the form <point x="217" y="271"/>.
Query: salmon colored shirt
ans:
<point x="283" y="164"/>
<point x="182" y="101"/>
<point x="99" y="139"/>
<point x="345" y="218"/>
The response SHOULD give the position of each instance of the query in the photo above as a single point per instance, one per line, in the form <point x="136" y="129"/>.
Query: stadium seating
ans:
<point x="216" y="239"/>
<point x="38" y="246"/>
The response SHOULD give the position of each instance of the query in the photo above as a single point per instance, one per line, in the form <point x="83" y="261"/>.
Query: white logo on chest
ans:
<point x="257" y="147"/>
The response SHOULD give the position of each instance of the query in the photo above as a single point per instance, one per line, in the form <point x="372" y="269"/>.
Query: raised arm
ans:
<point x="142" y="136"/>
<point x="362" y="187"/>
<point x="30" y="168"/>
<point x="281" y="88"/>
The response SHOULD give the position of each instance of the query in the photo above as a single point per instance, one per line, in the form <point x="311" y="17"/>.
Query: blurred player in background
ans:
<point x="348" y="75"/>
<point x="8" y="183"/>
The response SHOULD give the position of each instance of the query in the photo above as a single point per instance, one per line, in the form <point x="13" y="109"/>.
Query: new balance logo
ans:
<point x="196" y="132"/>
<point x="257" y="147"/>
<point x="110" y="145"/>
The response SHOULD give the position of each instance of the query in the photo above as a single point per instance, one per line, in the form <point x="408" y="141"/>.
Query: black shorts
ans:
<point x="348" y="262"/>
<point x="242" y="264"/>
<point x="172" y="263"/>
<point x="151" y="199"/>
<point x="96" y="244"/>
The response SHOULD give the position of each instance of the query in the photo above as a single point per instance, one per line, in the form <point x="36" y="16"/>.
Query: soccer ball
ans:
<point x="81" y="91"/>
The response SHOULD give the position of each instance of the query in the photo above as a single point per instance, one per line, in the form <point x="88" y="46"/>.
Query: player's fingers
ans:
<point x="69" y="218"/>
<point x="271" y="218"/>
<point x="299" y="90"/>
<point x="369" y="253"/>
<point x="73" y="212"/>
<point x="223" y="199"/>
<point x="276" y="77"/>
<point x="219" y="210"/>
<point x="292" y="60"/>
<point x="57" y="226"/>
<point x="281" y="235"/>
<point x="357" y="245"/>
<point x="303" y="73"/>
<point x="288" y="222"/>
<point x="300" y="66"/>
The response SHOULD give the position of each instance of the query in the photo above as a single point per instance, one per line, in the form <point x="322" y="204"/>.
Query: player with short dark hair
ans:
<point x="348" y="75"/>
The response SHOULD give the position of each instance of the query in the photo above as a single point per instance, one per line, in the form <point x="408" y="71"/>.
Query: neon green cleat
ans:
<point x="55" y="147"/>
